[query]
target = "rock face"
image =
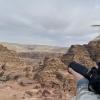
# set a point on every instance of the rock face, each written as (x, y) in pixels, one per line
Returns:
(10, 64)
(8, 57)
(52, 75)
(48, 71)
(93, 48)
(80, 54)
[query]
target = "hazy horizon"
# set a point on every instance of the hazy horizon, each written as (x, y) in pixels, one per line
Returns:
(49, 22)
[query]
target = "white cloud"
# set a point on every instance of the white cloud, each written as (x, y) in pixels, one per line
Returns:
(54, 22)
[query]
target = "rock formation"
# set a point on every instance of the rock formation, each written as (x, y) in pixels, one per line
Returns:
(53, 74)
(80, 54)
(8, 57)
(93, 48)
(10, 64)
(45, 80)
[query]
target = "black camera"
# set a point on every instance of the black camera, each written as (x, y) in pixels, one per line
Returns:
(93, 75)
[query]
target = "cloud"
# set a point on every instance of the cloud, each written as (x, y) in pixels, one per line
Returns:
(53, 22)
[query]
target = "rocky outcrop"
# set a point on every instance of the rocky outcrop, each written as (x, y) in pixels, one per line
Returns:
(53, 74)
(93, 48)
(80, 54)
(8, 57)
(10, 64)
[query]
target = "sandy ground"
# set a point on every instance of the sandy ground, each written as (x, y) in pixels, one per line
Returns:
(13, 91)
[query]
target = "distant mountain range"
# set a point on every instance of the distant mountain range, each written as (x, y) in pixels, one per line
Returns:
(34, 48)
(37, 48)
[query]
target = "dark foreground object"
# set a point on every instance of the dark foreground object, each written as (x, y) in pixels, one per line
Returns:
(93, 75)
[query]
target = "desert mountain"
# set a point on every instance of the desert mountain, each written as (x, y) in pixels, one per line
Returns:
(34, 48)
(35, 53)
(46, 80)
(29, 80)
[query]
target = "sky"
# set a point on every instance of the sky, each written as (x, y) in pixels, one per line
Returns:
(49, 22)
